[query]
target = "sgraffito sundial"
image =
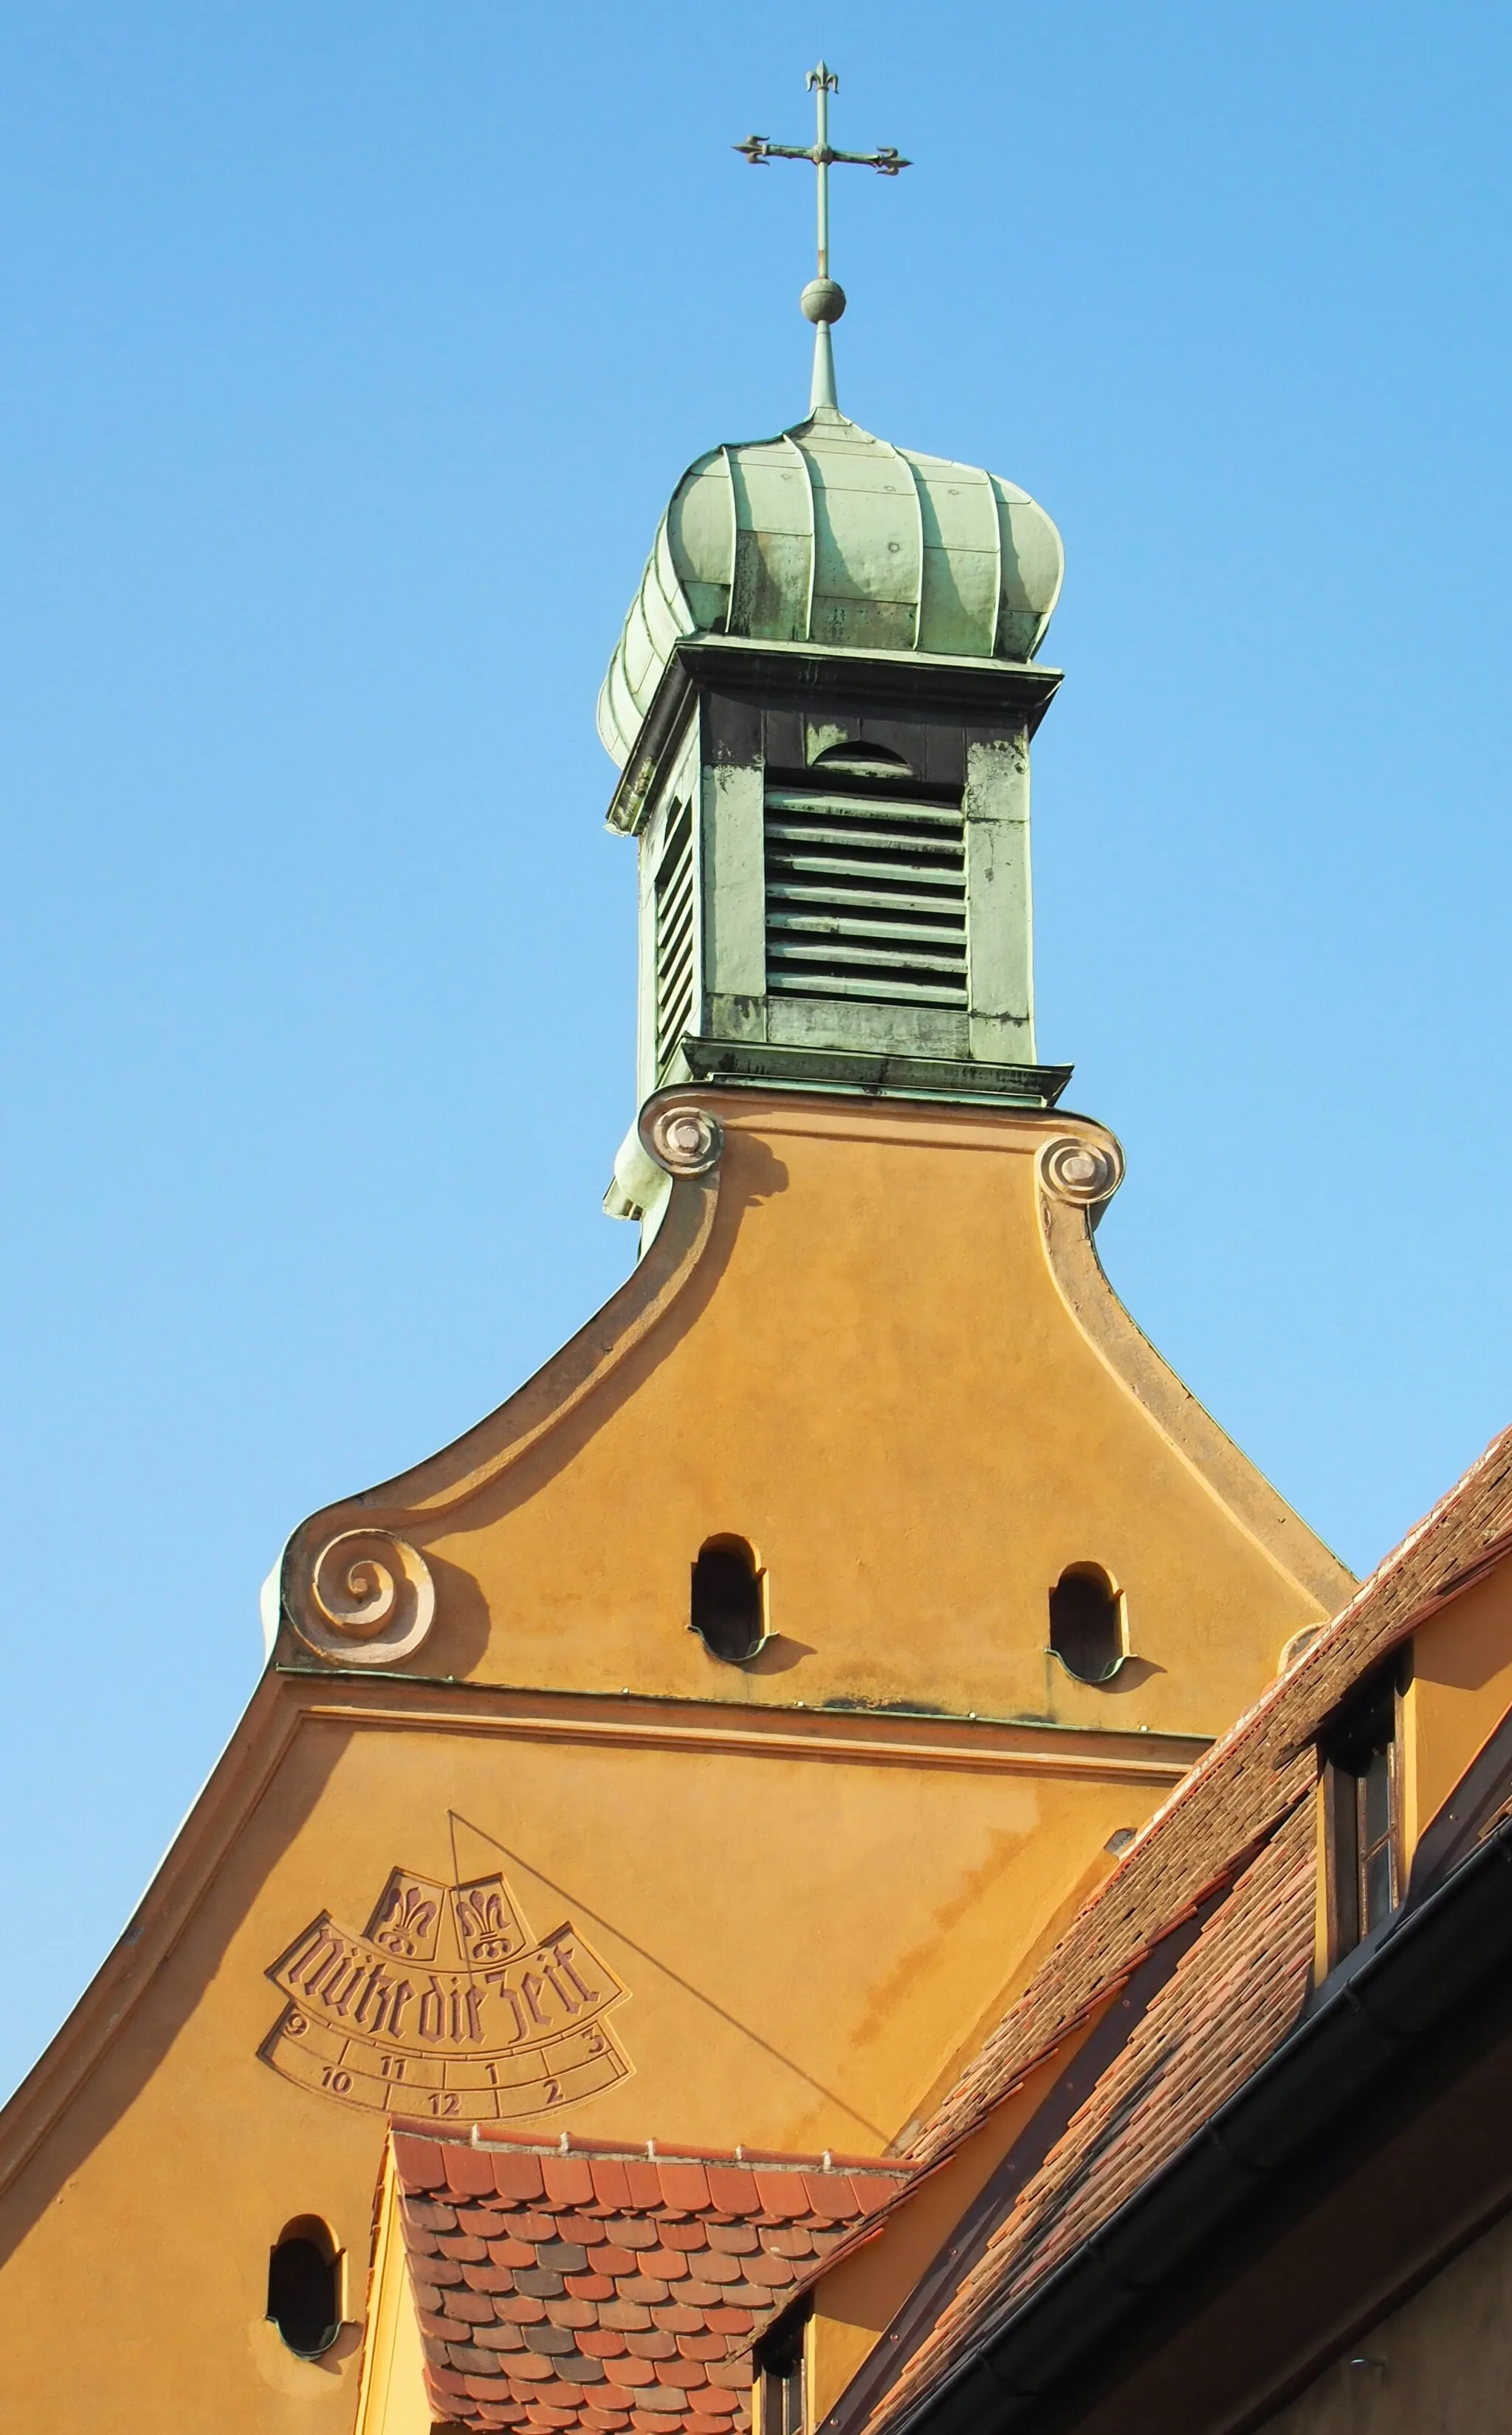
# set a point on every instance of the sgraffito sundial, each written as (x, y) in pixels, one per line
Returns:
(445, 2006)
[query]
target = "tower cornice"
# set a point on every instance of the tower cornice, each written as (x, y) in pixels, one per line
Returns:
(810, 672)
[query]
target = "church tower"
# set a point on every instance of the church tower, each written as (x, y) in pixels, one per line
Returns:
(822, 704)
(704, 1746)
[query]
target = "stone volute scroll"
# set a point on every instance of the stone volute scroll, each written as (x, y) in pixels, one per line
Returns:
(683, 1139)
(1084, 1173)
(367, 1600)
(354, 1587)
(671, 1140)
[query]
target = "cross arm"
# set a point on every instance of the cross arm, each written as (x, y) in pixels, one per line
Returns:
(888, 161)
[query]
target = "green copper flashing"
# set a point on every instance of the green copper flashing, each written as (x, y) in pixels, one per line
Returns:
(830, 537)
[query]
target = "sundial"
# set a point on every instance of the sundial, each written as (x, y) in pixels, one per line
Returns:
(445, 2006)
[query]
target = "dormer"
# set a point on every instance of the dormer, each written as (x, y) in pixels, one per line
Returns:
(1363, 1828)
(1415, 1763)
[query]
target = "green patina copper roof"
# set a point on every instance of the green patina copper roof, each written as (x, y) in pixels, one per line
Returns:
(827, 535)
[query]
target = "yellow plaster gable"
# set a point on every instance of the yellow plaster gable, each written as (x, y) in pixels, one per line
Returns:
(499, 1841)
(874, 1345)
(806, 1919)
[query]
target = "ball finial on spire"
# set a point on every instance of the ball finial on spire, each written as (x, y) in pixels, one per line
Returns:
(823, 300)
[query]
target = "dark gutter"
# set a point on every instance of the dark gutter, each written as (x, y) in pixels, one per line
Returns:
(1378, 2009)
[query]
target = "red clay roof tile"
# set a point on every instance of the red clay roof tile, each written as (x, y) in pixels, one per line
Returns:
(569, 2181)
(685, 2186)
(515, 2177)
(466, 2172)
(732, 2189)
(611, 2185)
(645, 2182)
(783, 2195)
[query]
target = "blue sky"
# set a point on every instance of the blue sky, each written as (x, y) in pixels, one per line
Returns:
(350, 356)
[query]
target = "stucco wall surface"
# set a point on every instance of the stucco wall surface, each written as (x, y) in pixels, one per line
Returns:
(802, 1937)
(1440, 2365)
(1461, 1689)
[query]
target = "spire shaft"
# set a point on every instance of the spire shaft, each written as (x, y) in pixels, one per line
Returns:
(823, 391)
(822, 80)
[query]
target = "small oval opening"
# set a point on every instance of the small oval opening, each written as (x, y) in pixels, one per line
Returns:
(1087, 1623)
(303, 2286)
(729, 1608)
(1299, 1643)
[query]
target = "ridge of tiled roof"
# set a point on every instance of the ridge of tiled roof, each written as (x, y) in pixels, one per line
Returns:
(1235, 1796)
(599, 2285)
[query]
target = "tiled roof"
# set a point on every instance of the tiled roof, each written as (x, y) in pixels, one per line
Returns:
(580, 2284)
(1243, 1821)
(1234, 1796)
(1229, 2003)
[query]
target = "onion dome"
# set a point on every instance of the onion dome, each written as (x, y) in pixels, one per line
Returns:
(831, 536)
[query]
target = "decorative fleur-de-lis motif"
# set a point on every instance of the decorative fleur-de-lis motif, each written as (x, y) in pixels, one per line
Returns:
(483, 1916)
(405, 1924)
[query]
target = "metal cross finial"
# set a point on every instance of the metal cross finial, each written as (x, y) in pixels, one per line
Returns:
(823, 299)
